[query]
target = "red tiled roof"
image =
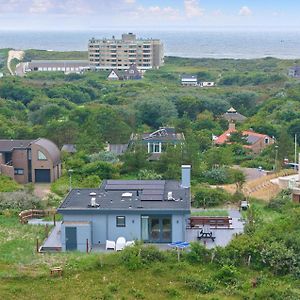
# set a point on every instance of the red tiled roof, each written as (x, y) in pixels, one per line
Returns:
(223, 138)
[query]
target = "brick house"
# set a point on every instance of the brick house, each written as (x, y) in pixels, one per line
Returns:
(30, 160)
(256, 142)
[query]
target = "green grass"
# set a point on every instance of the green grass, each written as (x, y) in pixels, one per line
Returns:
(211, 213)
(25, 274)
(32, 54)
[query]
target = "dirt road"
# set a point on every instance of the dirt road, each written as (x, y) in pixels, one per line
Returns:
(18, 54)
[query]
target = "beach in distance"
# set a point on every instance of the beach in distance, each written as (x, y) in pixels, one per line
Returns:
(198, 44)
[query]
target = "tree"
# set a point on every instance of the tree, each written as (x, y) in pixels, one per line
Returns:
(219, 156)
(285, 145)
(155, 112)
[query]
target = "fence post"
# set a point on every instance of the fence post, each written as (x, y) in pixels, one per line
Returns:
(37, 245)
(87, 245)
(54, 221)
(46, 230)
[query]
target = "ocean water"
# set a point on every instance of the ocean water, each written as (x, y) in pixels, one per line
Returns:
(210, 44)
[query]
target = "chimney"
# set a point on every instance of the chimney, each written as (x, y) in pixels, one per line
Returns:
(231, 126)
(186, 176)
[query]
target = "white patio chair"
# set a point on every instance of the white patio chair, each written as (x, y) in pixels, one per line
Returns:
(110, 245)
(129, 243)
(120, 243)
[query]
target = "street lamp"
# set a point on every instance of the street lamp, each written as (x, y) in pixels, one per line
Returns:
(70, 171)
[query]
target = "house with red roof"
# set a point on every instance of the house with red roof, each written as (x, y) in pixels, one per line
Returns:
(256, 142)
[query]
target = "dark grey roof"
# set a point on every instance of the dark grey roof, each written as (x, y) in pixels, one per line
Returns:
(51, 148)
(133, 72)
(163, 134)
(234, 116)
(70, 148)
(118, 149)
(9, 145)
(144, 195)
(189, 77)
(252, 139)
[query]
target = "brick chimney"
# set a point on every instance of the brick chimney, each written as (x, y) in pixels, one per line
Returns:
(231, 126)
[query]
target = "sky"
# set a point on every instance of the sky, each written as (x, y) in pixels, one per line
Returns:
(148, 14)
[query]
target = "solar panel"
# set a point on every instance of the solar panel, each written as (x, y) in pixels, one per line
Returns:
(152, 198)
(118, 187)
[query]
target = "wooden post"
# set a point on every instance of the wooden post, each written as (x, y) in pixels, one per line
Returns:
(87, 245)
(178, 254)
(37, 245)
(54, 221)
(46, 230)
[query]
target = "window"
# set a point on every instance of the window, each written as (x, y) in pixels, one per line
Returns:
(156, 148)
(41, 156)
(19, 171)
(267, 140)
(120, 221)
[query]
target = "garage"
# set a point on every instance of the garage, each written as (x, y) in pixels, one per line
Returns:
(42, 175)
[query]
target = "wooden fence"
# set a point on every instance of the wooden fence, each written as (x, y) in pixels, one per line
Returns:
(35, 213)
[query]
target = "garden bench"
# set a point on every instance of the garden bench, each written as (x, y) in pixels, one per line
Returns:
(213, 222)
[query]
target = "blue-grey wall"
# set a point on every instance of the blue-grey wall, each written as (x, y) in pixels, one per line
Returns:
(83, 234)
(103, 227)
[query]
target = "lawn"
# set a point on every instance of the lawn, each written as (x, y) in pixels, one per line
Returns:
(211, 213)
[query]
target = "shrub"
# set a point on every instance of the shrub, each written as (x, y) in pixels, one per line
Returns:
(282, 199)
(198, 253)
(19, 200)
(136, 256)
(227, 275)
(8, 185)
(280, 259)
(104, 156)
(148, 175)
(198, 284)
(206, 196)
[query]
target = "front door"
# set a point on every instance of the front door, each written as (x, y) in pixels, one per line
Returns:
(71, 238)
(159, 229)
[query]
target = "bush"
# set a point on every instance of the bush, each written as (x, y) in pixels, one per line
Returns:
(200, 285)
(138, 255)
(8, 185)
(280, 259)
(198, 253)
(227, 275)
(148, 175)
(19, 200)
(281, 200)
(104, 156)
(206, 196)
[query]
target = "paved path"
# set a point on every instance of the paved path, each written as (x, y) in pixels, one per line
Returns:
(41, 190)
(251, 173)
(54, 239)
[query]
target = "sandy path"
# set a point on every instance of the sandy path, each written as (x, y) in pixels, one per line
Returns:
(19, 54)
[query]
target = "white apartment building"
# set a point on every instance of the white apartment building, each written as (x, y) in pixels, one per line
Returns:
(119, 54)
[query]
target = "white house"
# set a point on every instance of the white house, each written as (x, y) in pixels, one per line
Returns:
(189, 80)
(206, 84)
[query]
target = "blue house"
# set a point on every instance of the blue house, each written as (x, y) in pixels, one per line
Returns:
(154, 211)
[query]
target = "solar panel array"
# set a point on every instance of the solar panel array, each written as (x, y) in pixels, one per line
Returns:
(151, 190)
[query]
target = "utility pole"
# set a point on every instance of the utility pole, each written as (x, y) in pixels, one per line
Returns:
(276, 157)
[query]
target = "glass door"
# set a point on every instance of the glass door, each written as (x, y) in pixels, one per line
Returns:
(156, 229)
(166, 234)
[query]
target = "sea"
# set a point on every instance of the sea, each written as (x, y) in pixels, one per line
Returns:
(182, 43)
